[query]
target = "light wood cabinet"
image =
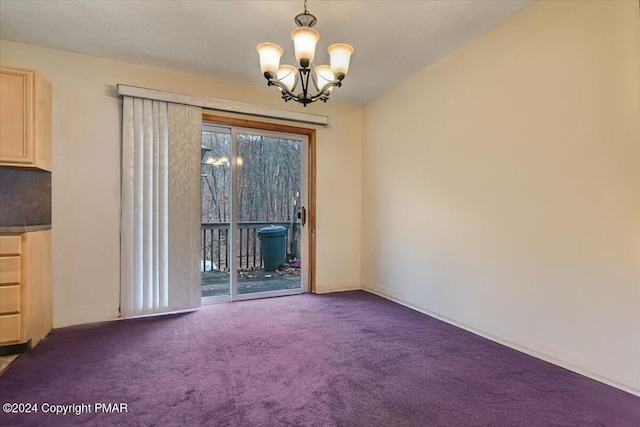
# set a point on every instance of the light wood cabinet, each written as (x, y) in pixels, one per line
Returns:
(10, 299)
(25, 287)
(25, 119)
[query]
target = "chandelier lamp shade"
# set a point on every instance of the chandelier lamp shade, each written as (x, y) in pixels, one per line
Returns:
(323, 78)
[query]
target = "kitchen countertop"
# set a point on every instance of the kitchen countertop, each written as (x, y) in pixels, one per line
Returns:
(19, 229)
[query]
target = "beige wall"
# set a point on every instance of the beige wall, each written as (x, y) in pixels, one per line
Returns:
(86, 174)
(501, 187)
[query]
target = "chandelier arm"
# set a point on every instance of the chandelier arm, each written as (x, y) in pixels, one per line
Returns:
(274, 82)
(323, 92)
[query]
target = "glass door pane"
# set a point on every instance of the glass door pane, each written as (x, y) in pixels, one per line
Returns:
(269, 236)
(216, 211)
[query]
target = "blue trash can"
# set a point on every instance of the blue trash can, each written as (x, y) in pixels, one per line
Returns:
(273, 245)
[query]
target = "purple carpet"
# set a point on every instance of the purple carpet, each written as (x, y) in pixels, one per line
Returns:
(347, 359)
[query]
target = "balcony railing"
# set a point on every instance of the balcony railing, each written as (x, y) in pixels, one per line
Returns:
(215, 244)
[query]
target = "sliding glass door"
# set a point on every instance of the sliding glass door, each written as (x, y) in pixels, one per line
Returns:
(216, 211)
(254, 206)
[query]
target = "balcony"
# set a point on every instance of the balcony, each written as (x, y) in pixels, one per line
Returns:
(252, 278)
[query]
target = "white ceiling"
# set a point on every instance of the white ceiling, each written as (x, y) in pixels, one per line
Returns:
(393, 40)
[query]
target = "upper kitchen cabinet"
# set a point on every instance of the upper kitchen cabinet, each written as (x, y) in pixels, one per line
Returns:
(25, 119)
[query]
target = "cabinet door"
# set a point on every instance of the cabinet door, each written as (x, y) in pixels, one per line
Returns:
(37, 311)
(10, 270)
(16, 116)
(10, 299)
(10, 329)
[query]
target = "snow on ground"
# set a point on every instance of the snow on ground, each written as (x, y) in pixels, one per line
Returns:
(208, 265)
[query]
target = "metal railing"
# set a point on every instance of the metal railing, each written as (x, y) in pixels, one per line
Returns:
(215, 244)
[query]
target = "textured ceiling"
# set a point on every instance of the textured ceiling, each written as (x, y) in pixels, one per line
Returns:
(393, 39)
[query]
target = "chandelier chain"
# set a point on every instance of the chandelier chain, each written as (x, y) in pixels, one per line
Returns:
(305, 6)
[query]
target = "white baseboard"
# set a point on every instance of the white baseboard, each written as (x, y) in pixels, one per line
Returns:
(388, 294)
(327, 289)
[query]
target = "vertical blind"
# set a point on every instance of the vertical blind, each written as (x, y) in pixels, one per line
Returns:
(160, 234)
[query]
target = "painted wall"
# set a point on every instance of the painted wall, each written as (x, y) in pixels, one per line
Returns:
(501, 188)
(86, 174)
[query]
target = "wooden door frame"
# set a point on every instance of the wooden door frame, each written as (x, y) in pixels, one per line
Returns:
(311, 134)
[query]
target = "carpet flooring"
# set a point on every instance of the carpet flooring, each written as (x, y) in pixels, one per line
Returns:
(346, 359)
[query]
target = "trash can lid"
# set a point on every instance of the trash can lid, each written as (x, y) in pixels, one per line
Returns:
(272, 229)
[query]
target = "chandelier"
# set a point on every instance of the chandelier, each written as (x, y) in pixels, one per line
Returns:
(323, 77)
